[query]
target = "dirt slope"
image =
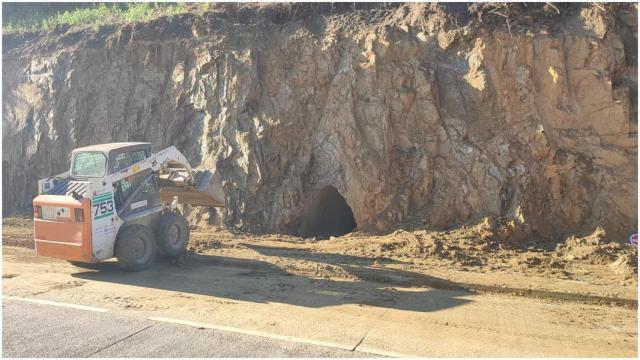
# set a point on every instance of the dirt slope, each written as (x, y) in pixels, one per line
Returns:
(414, 111)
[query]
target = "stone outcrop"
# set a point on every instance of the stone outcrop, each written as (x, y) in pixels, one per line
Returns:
(402, 112)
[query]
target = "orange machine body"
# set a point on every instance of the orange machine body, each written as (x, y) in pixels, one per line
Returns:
(59, 232)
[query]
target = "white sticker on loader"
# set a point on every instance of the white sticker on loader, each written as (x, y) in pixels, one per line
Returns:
(103, 225)
(138, 204)
(63, 212)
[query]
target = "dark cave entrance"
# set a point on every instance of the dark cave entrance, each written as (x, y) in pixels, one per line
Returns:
(326, 214)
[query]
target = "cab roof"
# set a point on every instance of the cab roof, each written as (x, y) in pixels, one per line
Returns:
(106, 148)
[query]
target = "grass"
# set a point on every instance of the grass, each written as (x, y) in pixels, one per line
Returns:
(100, 14)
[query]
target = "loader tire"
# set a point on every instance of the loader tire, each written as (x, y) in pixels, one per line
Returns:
(135, 248)
(172, 234)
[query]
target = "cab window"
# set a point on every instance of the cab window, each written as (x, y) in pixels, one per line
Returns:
(140, 191)
(138, 156)
(126, 159)
(89, 164)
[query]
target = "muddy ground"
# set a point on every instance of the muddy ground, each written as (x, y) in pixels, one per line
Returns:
(588, 269)
(354, 299)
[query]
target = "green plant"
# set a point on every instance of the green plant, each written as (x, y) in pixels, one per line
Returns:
(94, 16)
(138, 12)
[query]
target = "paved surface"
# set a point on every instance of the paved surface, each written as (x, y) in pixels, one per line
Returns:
(35, 330)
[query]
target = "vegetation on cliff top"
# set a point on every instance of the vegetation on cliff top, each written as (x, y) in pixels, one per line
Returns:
(96, 14)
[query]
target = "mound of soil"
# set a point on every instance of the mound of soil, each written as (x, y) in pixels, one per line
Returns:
(626, 265)
(594, 248)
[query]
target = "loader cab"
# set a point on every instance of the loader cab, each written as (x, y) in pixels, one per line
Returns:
(97, 161)
(134, 194)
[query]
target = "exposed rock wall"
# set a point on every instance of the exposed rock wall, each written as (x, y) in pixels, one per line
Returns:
(404, 114)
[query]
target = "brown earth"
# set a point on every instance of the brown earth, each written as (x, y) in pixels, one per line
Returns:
(466, 257)
(445, 114)
(588, 270)
(369, 316)
(360, 292)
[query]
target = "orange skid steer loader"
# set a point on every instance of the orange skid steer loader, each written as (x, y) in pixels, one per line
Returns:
(120, 199)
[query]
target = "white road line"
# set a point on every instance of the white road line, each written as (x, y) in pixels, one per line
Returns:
(275, 336)
(54, 303)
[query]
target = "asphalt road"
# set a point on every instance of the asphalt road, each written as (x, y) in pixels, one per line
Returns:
(35, 330)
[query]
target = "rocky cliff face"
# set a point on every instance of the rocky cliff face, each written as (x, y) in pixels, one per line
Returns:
(406, 114)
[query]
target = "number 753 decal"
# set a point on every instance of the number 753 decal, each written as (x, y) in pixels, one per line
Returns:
(102, 206)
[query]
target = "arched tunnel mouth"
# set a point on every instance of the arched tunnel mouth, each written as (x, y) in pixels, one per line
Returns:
(326, 214)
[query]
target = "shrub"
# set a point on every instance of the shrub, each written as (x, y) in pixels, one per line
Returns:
(99, 14)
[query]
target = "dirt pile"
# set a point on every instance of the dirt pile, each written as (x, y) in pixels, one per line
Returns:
(626, 265)
(437, 113)
(596, 249)
(479, 248)
(592, 248)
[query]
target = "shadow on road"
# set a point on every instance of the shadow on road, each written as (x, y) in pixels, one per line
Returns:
(260, 281)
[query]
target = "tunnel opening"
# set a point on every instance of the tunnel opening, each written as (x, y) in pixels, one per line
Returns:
(326, 214)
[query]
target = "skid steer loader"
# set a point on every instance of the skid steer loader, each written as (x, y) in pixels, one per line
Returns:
(120, 199)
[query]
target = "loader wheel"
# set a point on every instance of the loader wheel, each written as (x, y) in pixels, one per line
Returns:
(135, 248)
(172, 234)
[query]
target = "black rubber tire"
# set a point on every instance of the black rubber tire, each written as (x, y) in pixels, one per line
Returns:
(172, 234)
(135, 247)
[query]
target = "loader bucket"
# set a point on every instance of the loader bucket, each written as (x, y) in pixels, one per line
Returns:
(206, 191)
